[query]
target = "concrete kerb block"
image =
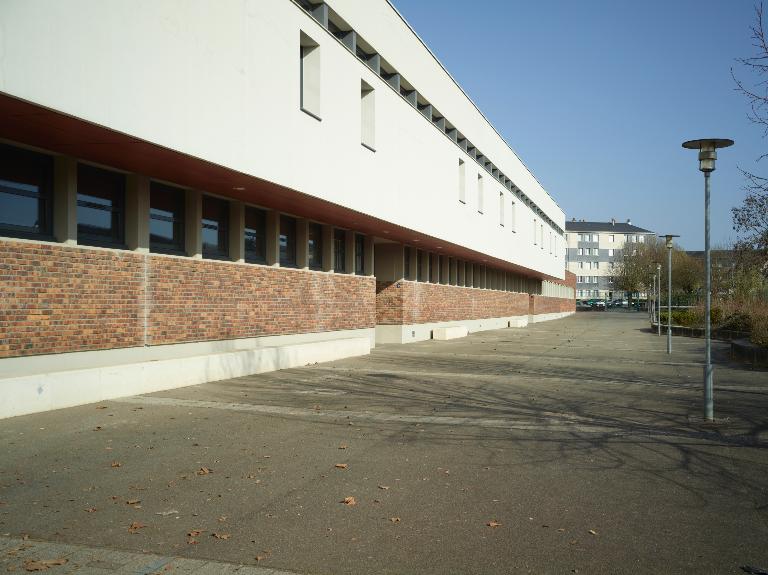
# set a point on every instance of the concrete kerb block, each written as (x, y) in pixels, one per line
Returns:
(453, 332)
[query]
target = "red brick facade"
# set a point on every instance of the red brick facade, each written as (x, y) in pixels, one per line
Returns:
(540, 304)
(408, 302)
(59, 299)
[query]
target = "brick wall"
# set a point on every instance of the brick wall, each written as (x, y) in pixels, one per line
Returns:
(540, 304)
(56, 298)
(408, 302)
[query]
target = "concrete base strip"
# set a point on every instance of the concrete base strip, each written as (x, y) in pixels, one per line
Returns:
(18, 555)
(56, 390)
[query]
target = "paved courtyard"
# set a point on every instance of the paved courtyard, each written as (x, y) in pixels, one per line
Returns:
(569, 446)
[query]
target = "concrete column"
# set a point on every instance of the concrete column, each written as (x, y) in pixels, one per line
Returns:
(137, 213)
(369, 257)
(273, 238)
(302, 243)
(444, 270)
(349, 252)
(65, 200)
(236, 231)
(194, 216)
(328, 248)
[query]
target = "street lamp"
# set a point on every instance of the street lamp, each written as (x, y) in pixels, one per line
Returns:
(658, 300)
(707, 155)
(669, 241)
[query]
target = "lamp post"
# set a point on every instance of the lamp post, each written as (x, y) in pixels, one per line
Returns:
(658, 300)
(669, 243)
(707, 155)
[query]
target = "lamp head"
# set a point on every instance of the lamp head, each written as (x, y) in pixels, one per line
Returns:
(669, 240)
(707, 148)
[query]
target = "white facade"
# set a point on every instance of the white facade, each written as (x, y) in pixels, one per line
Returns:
(221, 81)
(594, 250)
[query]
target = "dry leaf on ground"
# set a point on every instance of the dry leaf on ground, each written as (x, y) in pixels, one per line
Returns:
(343, 446)
(90, 510)
(42, 565)
(133, 502)
(349, 501)
(116, 464)
(494, 523)
(221, 535)
(195, 532)
(204, 471)
(341, 465)
(384, 487)
(135, 526)
(592, 532)
(394, 519)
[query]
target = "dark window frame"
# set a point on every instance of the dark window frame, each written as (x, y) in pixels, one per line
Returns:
(290, 258)
(317, 248)
(222, 228)
(178, 244)
(252, 256)
(359, 254)
(339, 249)
(117, 209)
(15, 161)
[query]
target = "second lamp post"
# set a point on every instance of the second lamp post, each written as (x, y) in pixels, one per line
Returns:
(669, 240)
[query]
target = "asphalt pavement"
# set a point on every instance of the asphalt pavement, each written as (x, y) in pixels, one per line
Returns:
(569, 446)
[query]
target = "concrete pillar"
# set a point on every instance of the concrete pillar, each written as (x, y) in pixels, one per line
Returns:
(444, 270)
(236, 231)
(273, 238)
(328, 264)
(65, 200)
(137, 213)
(369, 258)
(349, 252)
(194, 216)
(302, 243)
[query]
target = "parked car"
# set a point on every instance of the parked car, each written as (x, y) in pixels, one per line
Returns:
(596, 304)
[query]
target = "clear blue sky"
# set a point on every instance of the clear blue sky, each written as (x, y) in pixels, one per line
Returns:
(597, 96)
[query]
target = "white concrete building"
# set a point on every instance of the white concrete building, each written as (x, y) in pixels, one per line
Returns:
(257, 171)
(594, 249)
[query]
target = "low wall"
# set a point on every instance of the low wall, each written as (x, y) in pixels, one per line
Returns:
(408, 302)
(56, 298)
(541, 305)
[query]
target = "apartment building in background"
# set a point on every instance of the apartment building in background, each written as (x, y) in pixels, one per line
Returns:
(593, 252)
(197, 191)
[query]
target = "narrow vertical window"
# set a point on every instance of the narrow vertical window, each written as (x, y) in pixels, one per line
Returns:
(315, 246)
(215, 228)
(534, 231)
(501, 208)
(100, 207)
(419, 265)
(462, 183)
(255, 235)
(480, 193)
(26, 191)
(287, 241)
(550, 242)
(367, 116)
(541, 235)
(359, 254)
(339, 251)
(309, 58)
(166, 218)
(512, 223)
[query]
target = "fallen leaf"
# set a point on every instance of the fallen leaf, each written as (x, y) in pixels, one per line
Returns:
(494, 523)
(394, 519)
(385, 487)
(195, 532)
(101, 407)
(341, 465)
(133, 502)
(221, 535)
(167, 513)
(222, 519)
(90, 510)
(260, 557)
(349, 501)
(204, 471)
(592, 532)
(116, 464)
(135, 526)
(42, 565)
(191, 541)
(561, 530)
(97, 428)
(343, 446)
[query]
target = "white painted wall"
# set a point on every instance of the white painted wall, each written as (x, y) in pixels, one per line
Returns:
(220, 80)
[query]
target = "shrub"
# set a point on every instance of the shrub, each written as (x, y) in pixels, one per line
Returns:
(759, 334)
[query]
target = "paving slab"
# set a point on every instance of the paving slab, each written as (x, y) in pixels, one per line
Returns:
(568, 445)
